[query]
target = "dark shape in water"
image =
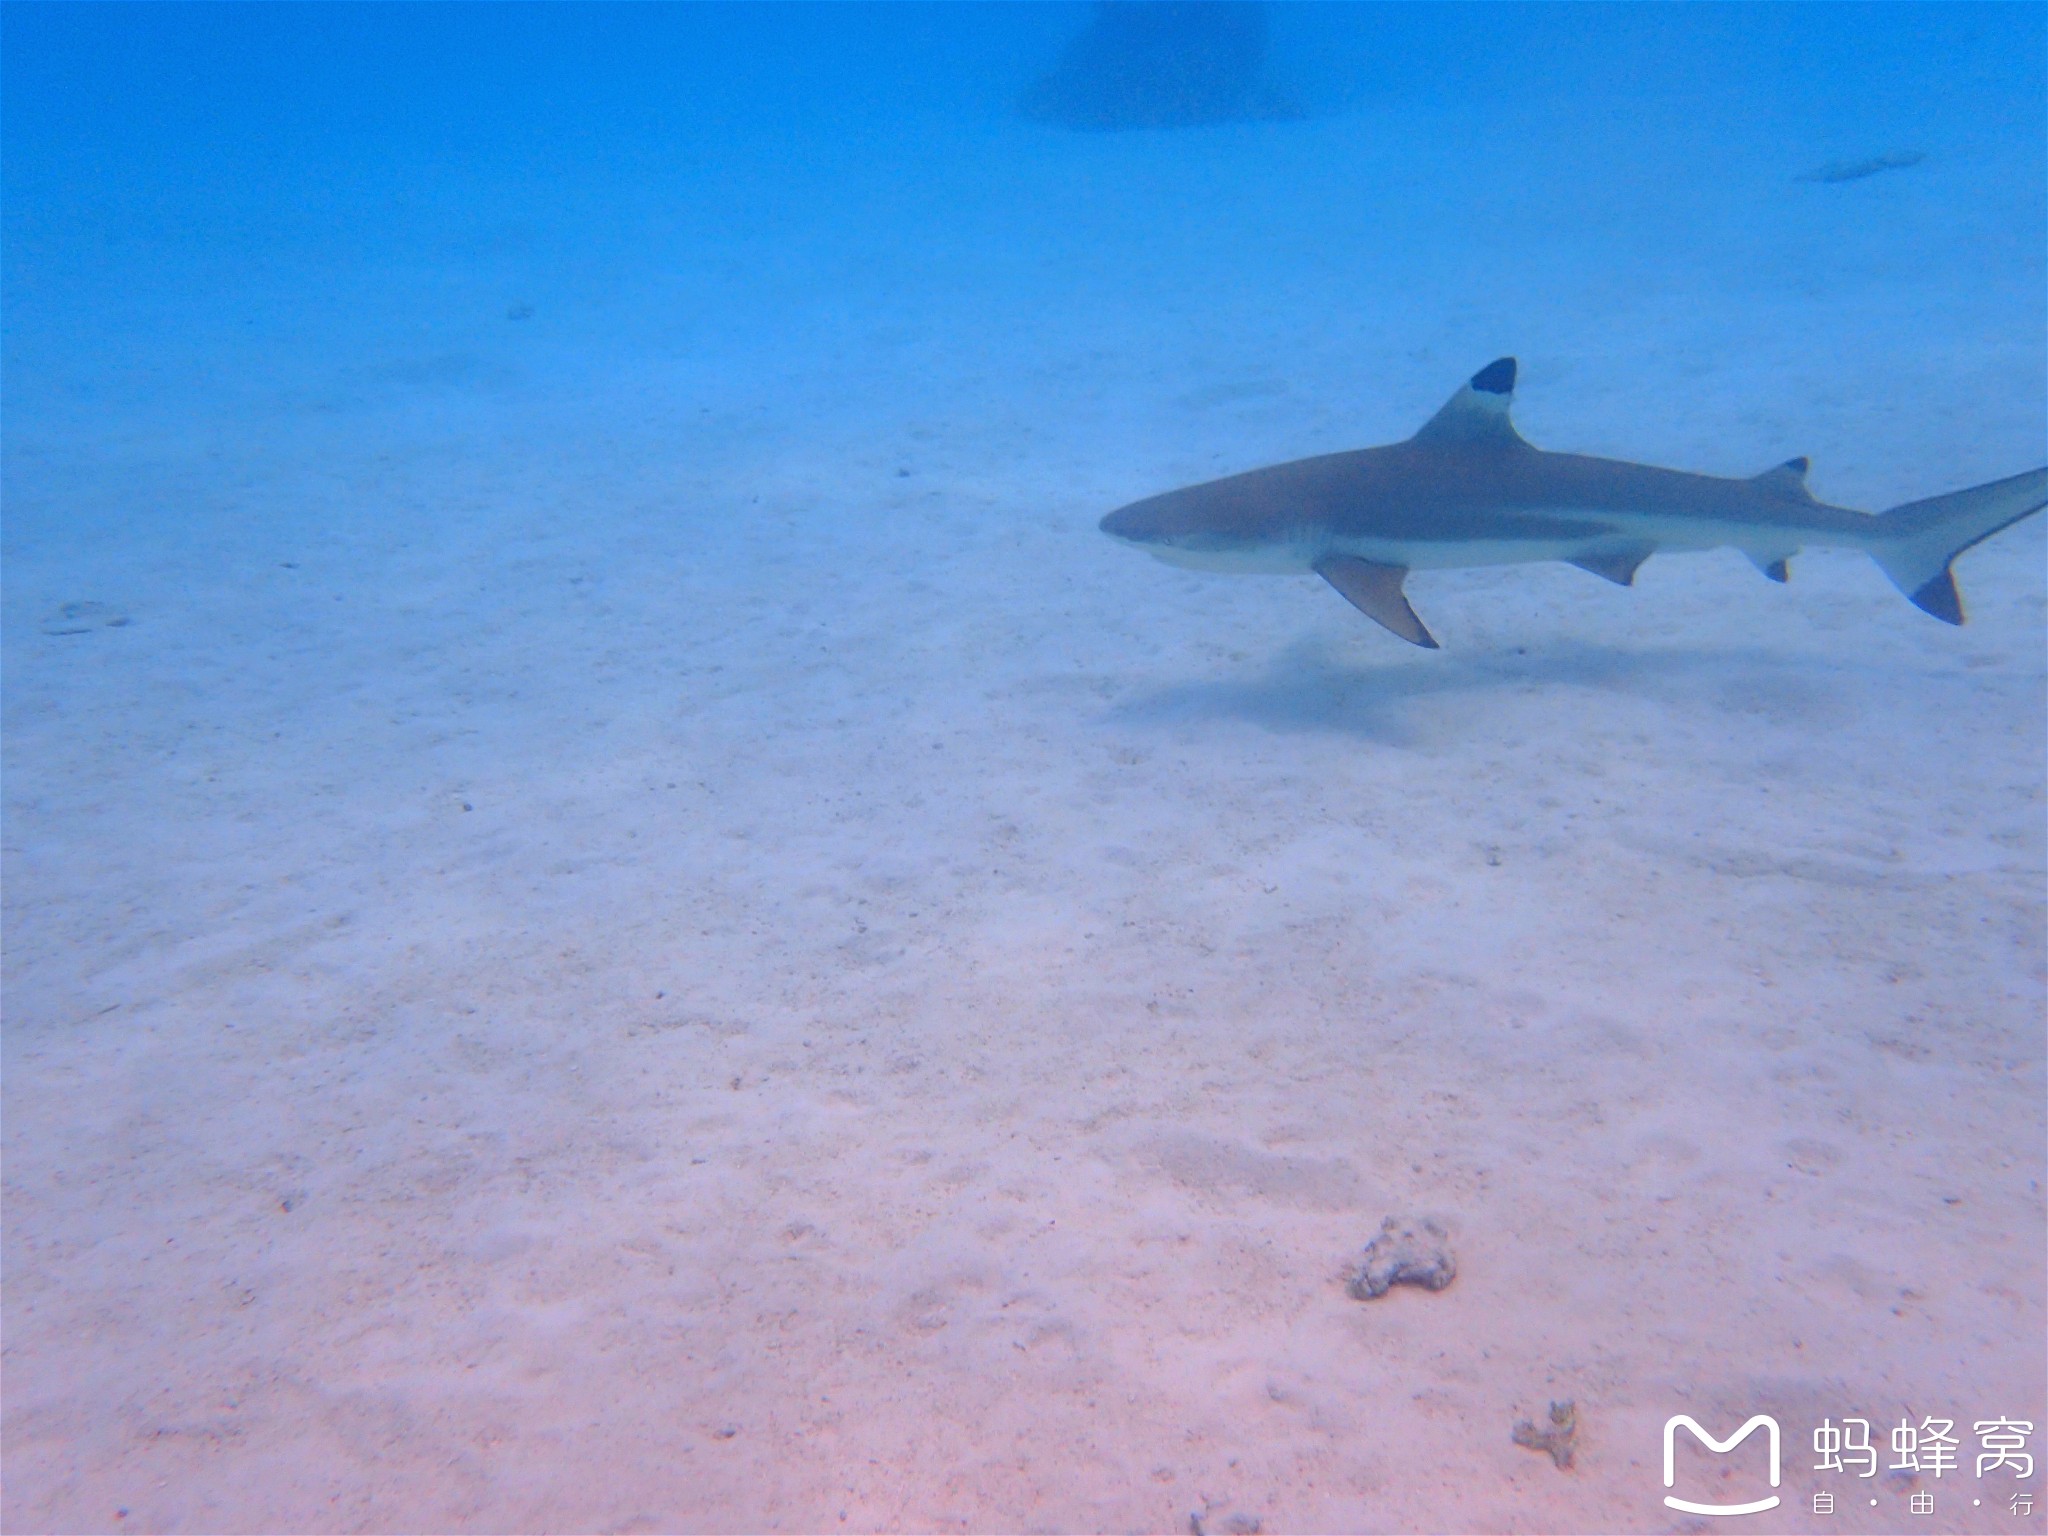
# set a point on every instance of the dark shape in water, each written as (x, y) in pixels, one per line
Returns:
(1159, 64)
(82, 618)
(1855, 170)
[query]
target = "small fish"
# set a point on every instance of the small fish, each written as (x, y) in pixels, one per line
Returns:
(1468, 490)
(1856, 170)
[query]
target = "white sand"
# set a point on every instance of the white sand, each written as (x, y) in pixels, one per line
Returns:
(598, 956)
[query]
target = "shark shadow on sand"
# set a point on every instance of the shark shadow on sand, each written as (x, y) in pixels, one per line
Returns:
(1310, 688)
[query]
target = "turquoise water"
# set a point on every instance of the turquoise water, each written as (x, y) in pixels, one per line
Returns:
(620, 916)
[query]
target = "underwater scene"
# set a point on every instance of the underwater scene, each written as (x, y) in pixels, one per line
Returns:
(1193, 768)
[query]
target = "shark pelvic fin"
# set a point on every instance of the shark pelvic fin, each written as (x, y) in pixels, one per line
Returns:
(1771, 563)
(1787, 479)
(1478, 413)
(1375, 591)
(1617, 565)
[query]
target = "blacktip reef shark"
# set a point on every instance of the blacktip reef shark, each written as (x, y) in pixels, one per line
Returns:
(1467, 490)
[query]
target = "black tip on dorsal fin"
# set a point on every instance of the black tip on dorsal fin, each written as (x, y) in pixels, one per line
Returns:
(1798, 466)
(1477, 415)
(1496, 378)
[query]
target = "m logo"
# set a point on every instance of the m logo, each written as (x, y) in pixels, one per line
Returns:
(1719, 1447)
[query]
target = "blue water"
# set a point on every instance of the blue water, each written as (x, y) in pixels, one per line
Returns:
(618, 914)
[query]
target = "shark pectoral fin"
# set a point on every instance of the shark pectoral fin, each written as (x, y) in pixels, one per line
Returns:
(1617, 565)
(1375, 591)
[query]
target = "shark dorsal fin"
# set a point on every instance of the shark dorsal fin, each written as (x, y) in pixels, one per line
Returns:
(1786, 479)
(1478, 413)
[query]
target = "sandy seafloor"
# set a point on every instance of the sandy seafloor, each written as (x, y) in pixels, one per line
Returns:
(646, 929)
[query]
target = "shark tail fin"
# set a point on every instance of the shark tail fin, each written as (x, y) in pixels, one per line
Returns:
(1915, 543)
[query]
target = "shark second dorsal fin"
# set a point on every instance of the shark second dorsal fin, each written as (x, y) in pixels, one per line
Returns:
(1786, 479)
(1478, 413)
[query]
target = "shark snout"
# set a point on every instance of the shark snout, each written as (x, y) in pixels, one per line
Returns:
(1126, 523)
(1196, 531)
(1152, 522)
